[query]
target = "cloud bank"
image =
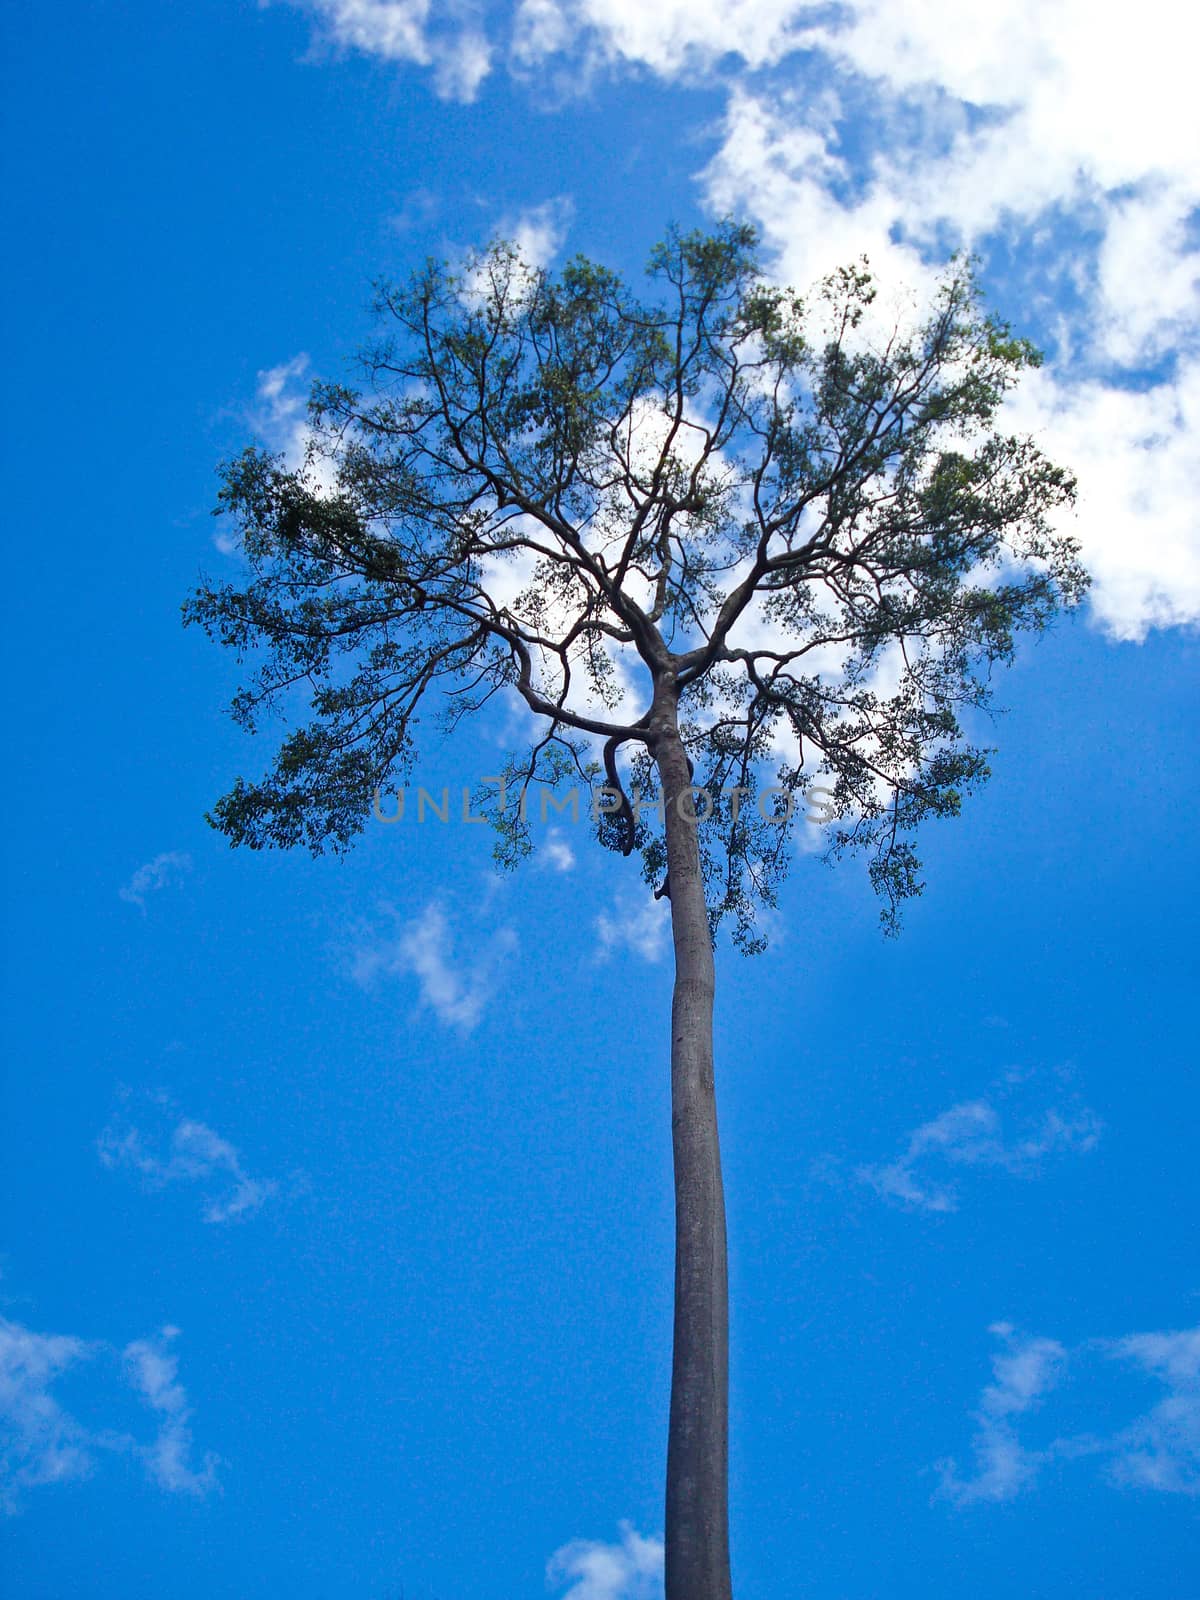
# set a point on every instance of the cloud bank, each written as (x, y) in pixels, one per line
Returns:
(1055, 142)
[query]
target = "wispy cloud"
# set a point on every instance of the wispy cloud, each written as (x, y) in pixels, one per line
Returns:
(456, 984)
(972, 1134)
(279, 416)
(1024, 1371)
(447, 38)
(641, 926)
(631, 1569)
(42, 1443)
(556, 852)
(1158, 1450)
(280, 411)
(153, 1370)
(419, 208)
(1161, 1449)
(188, 1152)
(165, 869)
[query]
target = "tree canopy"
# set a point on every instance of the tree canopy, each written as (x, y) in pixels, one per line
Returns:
(803, 516)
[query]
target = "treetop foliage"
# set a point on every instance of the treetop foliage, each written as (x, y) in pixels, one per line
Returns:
(798, 526)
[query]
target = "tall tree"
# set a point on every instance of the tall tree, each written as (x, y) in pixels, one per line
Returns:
(722, 539)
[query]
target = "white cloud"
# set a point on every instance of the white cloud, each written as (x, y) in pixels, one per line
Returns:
(154, 1372)
(166, 868)
(539, 232)
(1029, 126)
(456, 987)
(536, 233)
(40, 1442)
(421, 206)
(461, 65)
(1084, 166)
(446, 38)
(629, 1570)
(903, 131)
(192, 1153)
(1137, 455)
(1159, 1450)
(674, 38)
(972, 1135)
(279, 416)
(556, 852)
(281, 407)
(641, 926)
(1024, 1371)
(1085, 96)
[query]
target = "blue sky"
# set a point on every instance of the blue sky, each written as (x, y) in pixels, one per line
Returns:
(337, 1245)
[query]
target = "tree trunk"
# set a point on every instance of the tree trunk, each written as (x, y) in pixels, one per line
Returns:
(697, 1514)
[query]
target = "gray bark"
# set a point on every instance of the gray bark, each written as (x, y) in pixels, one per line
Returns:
(697, 1517)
